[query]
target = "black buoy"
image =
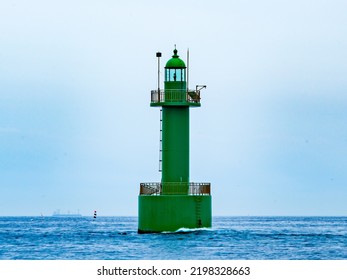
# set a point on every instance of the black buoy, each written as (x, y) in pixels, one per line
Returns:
(94, 214)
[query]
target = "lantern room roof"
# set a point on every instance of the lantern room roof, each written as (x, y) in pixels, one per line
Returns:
(175, 61)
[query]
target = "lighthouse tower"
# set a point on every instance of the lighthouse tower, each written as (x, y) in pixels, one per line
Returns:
(175, 202)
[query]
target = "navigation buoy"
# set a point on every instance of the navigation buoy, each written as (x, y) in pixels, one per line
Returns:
(95, 214)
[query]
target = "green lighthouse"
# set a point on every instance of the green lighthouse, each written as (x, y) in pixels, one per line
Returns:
(175, 202)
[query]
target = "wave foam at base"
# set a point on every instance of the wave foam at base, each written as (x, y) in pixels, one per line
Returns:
(187, 230)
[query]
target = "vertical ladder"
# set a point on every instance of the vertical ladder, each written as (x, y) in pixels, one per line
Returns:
(161, 141)
(198, 200)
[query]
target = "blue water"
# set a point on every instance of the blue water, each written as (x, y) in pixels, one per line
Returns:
(254, 238)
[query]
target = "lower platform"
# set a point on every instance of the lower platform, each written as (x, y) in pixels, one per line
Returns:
(158, 213)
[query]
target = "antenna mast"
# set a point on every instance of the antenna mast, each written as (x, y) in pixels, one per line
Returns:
(158, 56)
(187, 69)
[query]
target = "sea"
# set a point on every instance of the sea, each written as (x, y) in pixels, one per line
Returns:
(230, 238)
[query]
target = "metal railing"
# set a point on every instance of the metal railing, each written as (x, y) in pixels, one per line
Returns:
(175, 96)
(150, 188)
(175, 188)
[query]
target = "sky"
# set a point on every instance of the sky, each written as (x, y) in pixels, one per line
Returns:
(77, 132)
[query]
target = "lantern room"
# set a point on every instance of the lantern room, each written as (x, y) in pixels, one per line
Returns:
(175, 69)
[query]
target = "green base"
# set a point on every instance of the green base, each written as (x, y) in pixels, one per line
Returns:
(158, 213)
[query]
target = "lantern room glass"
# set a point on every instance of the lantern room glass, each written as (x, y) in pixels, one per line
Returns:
(175, 75)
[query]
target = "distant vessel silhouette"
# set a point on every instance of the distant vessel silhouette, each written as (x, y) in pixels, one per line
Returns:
(68, 214)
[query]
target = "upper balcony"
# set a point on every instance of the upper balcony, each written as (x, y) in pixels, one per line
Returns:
(175, 97)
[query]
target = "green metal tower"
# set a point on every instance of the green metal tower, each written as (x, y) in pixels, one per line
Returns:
(175, 202)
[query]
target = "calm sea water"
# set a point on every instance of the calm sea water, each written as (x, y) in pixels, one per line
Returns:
(254, 238)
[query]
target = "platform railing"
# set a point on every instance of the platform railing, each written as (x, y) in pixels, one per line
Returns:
(175, 96)
(175, 188)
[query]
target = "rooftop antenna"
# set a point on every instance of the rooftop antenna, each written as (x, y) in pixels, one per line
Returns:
(187, 69)
(158, 56)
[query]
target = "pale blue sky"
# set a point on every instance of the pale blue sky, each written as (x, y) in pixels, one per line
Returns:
(77, 131)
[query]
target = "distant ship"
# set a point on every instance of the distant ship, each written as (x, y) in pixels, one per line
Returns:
(68, 214)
